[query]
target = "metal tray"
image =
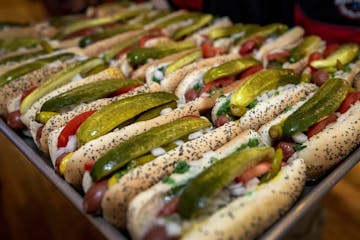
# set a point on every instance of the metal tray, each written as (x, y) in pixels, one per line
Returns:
(311, 195)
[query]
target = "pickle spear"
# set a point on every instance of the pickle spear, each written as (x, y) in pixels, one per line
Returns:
(324, 102)
(94, 22)
(61, 78)
(90, 39)
(345, 54)
(16, 43)
(177, 64)
(27, 68)
(86, 93)
(118, 112)
(223, 32)
(141, 144)
(229, 69)
(155, 112)
(309, 45)
(212, 180)
(148, 18)
(258, 83)
(139, 56)
(264, 31)
(200, 22)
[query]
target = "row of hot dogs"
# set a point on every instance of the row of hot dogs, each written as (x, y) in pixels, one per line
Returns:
(180, 124)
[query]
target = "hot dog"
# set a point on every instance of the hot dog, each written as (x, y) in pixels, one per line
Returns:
(226, 209)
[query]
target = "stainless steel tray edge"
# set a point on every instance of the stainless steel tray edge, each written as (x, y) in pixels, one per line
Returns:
(312, 193)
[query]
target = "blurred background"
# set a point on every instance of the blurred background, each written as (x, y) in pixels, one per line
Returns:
(31, 207)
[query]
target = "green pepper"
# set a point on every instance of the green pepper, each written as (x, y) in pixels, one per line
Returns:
(229, 31)
(257, 84)
(139, 56)
(94, 22)
(143, 143)
(230, 68)
(275, 166)
(109, 32)
(345, 54)
(61, 78)
(29, 67)
(200, 22)
(155, 112)
(307, 46)
(86, 93)
(189, 58)
(118, 112)
(324, 102)
(16, 43)
(212, 180)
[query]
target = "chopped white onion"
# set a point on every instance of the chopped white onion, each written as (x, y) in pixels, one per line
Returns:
(195, 135)
(209, 154)
(76, 78)
(173, 229)
(179, 142)
(159, 75)
(70, 147)
(165, 111)
(237, 189)
(299, 137)
(158, 151)
(252, 183)
(87, 181)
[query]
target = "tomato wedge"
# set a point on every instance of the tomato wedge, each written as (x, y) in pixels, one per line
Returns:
(26, 93)
(122, 52)
(148, 37)
(350, 99)
(71, 128)
(123, 90)
(251, 71)
(276, 56)
(221, 82)
(89, 165)
(82, 33)
(251, 44)
(208, 50)
(169, 208)
(321, 125)
(256, 171)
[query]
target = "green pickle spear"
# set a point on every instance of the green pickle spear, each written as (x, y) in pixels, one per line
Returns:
(94, 22)
(229, 31)
(345, 54)
(29, 67)
(86, 93)
(16, 43)
(118, 112)
(143, 143)
(139, 56)
(307, 46)
(212, 180)
(154, 112)
(257, 84)
(61, 78)
(148, 18)
(264, 31)
(202, 21)
(229, 69)
(189, 58)
(324, 102)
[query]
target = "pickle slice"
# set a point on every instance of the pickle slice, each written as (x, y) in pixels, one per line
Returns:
(141, 144)
(200, 22)
(112, 115)
(27, 68)
(229, 69)
(309, 45)
(258, 83)
(86, 93)
(345, 54)
(212, 180)
(191, 57)
(61, 78)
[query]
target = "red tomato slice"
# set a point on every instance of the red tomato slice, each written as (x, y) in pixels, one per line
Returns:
(330, 48)
(251, 44)
(275, 56)
(26, 93)
(89, 165)
(314, 56)
(191, 94)
(123, 90)
(208, 50)
(321, 125)
(169, 208)
(251, 71)
(350, 99)
(221, 82)
(148, 37)
(123, 51)
(71, 127)
(221, 120)
(256, 171)
(82, 33)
